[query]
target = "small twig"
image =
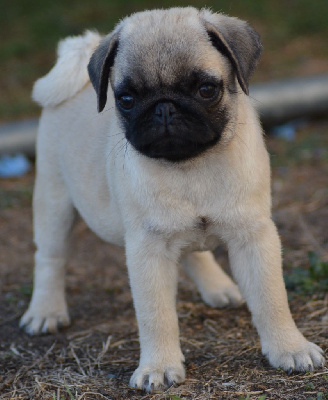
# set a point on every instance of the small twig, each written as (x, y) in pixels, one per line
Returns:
(94, 393)
(320, 373)
(103, 351)
(295, 388)
(318, 312)
(235, 356)
(192, 342)
(78, 361)
(242, 393)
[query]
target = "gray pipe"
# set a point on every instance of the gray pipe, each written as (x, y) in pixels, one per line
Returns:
(276, 102)
(18, 137)
(281, 101)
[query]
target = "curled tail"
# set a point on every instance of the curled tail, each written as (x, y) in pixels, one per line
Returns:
(70, 74)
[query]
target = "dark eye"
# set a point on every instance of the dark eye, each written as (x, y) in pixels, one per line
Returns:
(126, 102)
(207, 91)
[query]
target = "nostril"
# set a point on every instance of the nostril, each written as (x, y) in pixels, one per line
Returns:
(170, 109)
(164, 112)
(159, 110)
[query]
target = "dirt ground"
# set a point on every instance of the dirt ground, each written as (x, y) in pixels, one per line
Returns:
(95, 357)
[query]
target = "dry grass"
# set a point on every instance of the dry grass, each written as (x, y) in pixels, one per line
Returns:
(221, 347)
(95, 357)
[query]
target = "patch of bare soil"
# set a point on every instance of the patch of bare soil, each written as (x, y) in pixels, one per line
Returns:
(95, 357)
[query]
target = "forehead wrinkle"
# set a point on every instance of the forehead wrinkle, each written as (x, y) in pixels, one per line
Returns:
(162, 60)
(161, 47)
(168, 68)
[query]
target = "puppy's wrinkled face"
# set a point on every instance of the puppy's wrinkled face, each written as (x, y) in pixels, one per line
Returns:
(171, 87)
(174, 122)
(174, 75)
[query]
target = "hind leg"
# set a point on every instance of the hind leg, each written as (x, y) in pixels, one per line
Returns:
(214, 285)
(53, 217)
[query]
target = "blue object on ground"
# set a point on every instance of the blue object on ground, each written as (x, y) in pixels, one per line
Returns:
(13, 166)
(288, 131)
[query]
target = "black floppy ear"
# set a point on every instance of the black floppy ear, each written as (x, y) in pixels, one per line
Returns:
(236, 40)
(99, 67)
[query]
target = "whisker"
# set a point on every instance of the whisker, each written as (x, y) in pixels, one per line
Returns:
(115, 134)
(118, 151)
(246, 123)
(232, 91)
(107, 109)
(125, 152)
(242, 140)
(98, 115)
(239, 137)
(115, 147)
(253, 98)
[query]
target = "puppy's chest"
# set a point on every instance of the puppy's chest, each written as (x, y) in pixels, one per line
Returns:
(187, 211)
(197, 234)
(182, 223)
(183, 209)
(202, 235)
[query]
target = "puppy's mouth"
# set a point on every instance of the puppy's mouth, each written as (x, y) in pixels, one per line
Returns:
(168, 131)
(173, 148)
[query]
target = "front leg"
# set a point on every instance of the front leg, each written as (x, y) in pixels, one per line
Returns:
(256, 264)
(153, 280)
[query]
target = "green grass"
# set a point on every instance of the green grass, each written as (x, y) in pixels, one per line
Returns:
(17, 197)
(319, 396)
(310, 147)
(313, 280)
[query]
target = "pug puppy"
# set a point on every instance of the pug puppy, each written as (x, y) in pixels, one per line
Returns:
(173, 164)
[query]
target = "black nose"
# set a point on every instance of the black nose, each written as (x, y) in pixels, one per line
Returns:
(164, 112)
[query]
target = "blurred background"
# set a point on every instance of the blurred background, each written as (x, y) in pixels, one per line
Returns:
(294, 34)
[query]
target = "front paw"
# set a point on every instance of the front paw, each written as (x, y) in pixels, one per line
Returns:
(150, 378)
(37, 320)
(304, 356)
